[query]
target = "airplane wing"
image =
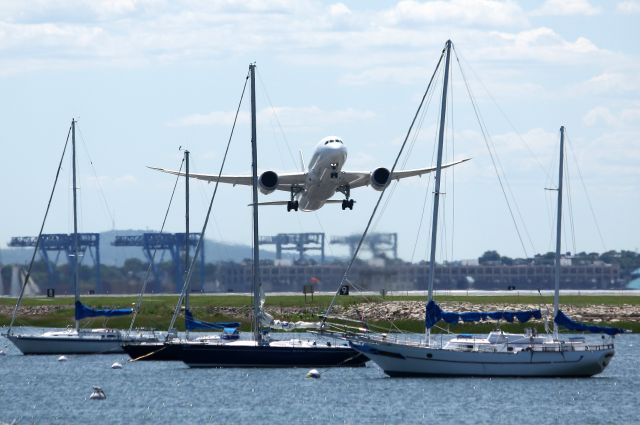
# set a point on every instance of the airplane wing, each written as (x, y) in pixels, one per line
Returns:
(285, 180)
(328, 201)
(361, 178)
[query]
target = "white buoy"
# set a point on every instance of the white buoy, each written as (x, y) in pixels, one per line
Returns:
(97, 394)
(62, 359)
(116, 365)
(313, 373)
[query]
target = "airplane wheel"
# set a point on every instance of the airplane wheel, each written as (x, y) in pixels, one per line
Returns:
(350, 202)
(289, 206)
(344, 204)
(295, 205)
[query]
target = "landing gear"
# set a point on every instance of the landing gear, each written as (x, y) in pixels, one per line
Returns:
(293, 204)
(347, 203)
(346, 191)
(334, 172)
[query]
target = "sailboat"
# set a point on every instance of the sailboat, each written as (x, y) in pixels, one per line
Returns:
(499, 353)
(75, 340)
(170, 348)
(261, 350)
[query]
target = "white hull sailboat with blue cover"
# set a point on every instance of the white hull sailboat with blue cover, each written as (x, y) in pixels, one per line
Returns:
(76, 340)
(498, 354)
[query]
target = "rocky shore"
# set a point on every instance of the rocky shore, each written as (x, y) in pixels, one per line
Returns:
(390, 310)
(414, 310)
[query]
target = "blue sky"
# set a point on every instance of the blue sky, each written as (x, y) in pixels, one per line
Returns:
(147, 76)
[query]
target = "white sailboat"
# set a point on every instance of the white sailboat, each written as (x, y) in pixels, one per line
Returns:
(75, 340)
(498, 354)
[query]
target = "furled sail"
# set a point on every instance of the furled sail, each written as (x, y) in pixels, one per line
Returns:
(82, 311)
(290, 326)
(435, 314)
(564, 321)
(192, 324)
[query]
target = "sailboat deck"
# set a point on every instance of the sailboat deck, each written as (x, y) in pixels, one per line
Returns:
(484, 344)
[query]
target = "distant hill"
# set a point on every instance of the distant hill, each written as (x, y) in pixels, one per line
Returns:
(113, 255)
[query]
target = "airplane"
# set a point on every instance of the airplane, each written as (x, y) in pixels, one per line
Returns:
(310, 190)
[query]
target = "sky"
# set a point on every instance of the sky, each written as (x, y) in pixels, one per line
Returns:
(146, 78)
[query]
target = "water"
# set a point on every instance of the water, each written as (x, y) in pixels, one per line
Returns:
(41, 390)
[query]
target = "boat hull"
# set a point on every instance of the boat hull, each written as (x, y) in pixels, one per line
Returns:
(153, 351)
(230, 355)
(29, 344)
(397, 360)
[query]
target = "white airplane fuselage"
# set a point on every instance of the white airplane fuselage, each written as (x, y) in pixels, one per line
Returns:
(323, 176)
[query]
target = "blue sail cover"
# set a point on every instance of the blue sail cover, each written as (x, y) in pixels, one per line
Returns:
(564, 321)
(435, 314)
(82, 312)
(192, 324)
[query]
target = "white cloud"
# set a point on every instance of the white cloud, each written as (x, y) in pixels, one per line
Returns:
(544, 45)
(597, 115)
(614, 82)
(566, 8)
(339, 9)
(130, 33)
(463, 12)
(628, 6)
(625, 117)
(290, 117)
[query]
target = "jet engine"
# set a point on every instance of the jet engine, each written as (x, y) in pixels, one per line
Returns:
(268, 182)
(380, 178)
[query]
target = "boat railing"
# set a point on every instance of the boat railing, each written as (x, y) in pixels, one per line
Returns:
(477, 344)
(403, 339)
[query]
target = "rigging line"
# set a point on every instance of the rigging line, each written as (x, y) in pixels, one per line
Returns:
(147, 275)
(327, 245)
(584, 188)
(100, 189)
(426, 196)
(501, 168)
(483, 130)
(35, 249)
(443, 235)
(206, 220)
(414, 138)
(203, 199)
(364, 234)
(435, 139)
(424, 208)
(504, 115)
(275, 114)
(570, 204)
(453, 171)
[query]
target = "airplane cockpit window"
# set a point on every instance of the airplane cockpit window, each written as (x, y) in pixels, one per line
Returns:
(333, 141)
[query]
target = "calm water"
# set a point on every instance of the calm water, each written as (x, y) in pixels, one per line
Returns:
(41, 390)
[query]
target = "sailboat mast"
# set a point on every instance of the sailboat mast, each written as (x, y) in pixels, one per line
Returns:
(75, 219)
(556, 292)
(436, 198)
(187, 304)
(254, 174)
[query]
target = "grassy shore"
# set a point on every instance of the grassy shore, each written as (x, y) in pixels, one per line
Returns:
(157, 310)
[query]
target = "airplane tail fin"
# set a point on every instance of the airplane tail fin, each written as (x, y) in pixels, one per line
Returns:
(301, 161)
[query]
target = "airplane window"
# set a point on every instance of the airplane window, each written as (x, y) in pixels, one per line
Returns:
(327, 142)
